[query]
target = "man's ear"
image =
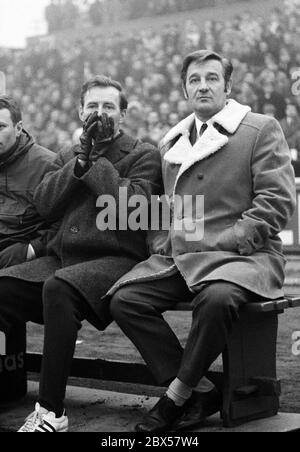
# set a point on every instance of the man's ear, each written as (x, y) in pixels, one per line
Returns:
(80, 113)
(19, 127)
(122, 116)
(184, 91)
(228, 87)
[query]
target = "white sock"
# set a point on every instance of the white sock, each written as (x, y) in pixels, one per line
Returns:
(204, 385)
(179, 392)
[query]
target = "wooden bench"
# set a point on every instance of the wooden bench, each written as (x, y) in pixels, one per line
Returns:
(248, 382)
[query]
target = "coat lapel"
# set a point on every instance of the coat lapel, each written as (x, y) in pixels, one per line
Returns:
(185, 154)
(209, 143)
(120, 148)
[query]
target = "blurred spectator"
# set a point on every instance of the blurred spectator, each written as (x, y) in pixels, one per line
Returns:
(45, 78)
(291, 127)
(96, 13)
(53, 16)
(134, 120)
(61, 14)
(70, 14)
(269, 110)
(270, 96)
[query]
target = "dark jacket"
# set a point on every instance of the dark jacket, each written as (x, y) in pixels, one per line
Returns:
(20, 174)
(89, 259)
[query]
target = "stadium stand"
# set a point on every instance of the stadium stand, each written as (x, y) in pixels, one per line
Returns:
(47, 75)
(63, 14)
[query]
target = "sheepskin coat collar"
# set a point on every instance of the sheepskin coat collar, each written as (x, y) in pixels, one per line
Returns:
(185, 154)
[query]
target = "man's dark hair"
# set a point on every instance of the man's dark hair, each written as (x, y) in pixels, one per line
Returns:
(103, 82)
(204, 55)
(10, 104)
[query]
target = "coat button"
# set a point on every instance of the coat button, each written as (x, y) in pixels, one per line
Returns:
(200, 176)
(74, 229)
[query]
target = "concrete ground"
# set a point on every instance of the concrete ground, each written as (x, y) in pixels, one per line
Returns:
(103, 411)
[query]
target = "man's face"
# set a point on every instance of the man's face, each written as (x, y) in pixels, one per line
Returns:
(103, 100)
(291, 111)
(205, 88)
(8, 131)
(268, 88)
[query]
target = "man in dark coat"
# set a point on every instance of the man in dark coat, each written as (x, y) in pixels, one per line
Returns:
(85, 257)
(220, 252)
(23, 165)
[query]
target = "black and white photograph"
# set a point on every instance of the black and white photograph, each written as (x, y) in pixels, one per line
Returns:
(149, 219)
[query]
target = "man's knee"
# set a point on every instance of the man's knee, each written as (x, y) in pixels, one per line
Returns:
(219, 299)
(51, 287)
(54, 294)
(118, 304)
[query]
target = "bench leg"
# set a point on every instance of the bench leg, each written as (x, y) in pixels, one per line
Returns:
(251, 390)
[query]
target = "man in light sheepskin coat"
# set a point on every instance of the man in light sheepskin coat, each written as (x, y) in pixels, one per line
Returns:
(217, 258)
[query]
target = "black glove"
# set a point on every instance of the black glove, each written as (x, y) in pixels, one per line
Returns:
(105, 136)
(88, 135)
(105, 132)
(13, 255)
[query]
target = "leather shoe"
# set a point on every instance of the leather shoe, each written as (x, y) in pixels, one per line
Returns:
(200, 406)
(161, 418)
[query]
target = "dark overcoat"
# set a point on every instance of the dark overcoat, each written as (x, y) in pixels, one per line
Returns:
(89, 259)
(242, 167)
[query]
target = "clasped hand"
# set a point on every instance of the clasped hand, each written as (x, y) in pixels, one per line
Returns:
(97, 131)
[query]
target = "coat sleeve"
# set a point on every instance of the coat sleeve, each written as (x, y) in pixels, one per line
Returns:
(53, 194)
(142, 178)
(274, 192)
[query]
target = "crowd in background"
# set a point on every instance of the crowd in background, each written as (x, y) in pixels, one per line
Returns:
(265, 53)
(64, 14)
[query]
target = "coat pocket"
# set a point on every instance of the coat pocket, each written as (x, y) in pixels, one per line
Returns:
(12, 215)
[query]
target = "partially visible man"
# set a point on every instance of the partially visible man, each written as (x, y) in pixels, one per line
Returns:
(291, 128)
(270, 96)
(86, 256)
(216, 257)
(23, 165)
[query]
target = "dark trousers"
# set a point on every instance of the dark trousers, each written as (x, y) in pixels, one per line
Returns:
(138, 308)
(62, 309)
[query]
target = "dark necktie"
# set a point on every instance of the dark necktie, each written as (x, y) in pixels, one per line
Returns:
(203, 128)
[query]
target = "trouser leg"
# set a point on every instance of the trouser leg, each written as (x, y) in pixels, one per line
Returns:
(138, 308)
(20, 302)
(215, 312)
(64, 310)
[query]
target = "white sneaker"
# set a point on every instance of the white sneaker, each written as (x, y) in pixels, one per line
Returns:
(44, 421)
